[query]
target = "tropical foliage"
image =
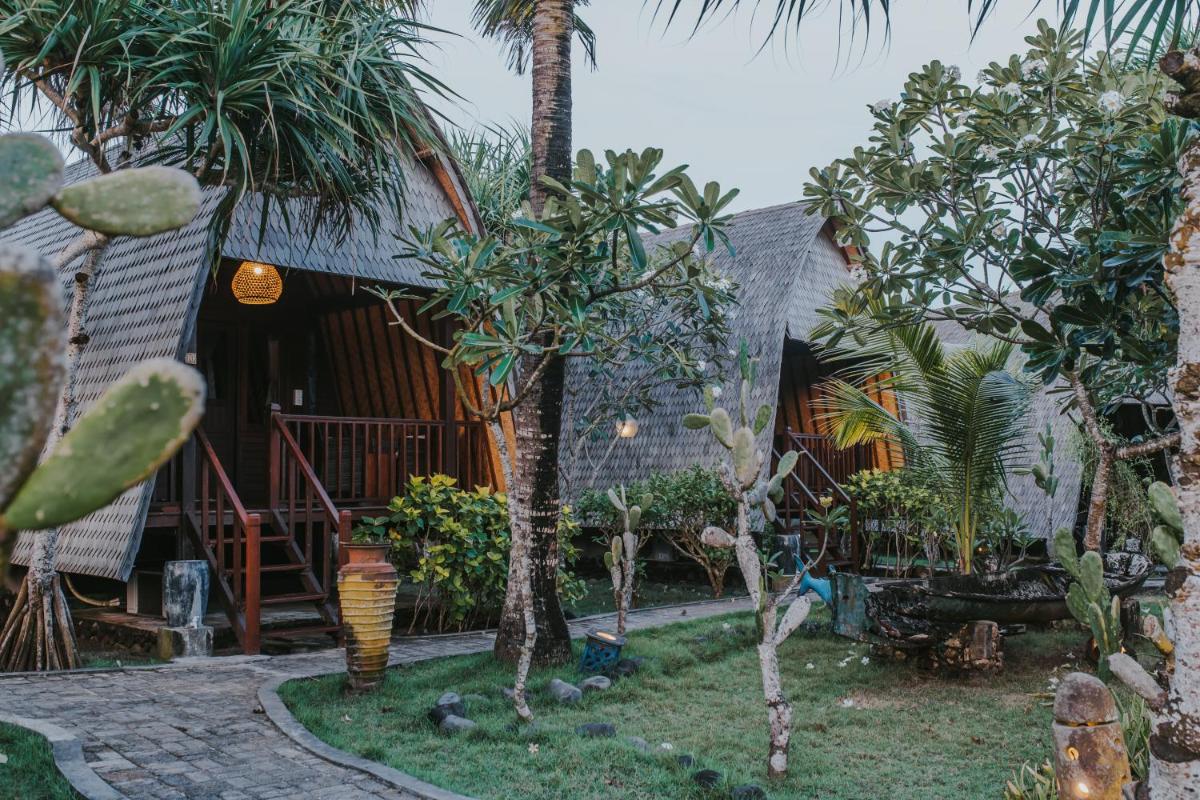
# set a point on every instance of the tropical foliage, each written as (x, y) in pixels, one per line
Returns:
(903, 516)
(496, 164)
(969, 404)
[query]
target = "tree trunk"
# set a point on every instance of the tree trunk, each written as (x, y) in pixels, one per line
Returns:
(534, 490)
(1175, 736)
(550, 129)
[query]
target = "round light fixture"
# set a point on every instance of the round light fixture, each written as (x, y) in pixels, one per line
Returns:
(627, 428)
(256, 284)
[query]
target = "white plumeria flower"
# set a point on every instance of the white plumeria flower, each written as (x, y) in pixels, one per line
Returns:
(990, 152)
(810, 665)
(999, 231)
(963, 117)
(666, 746)
(1012, 89)
(880, 106)
(848, 703)
(1111, 101)
(716, 391)
(701, 365)
(533, 749)
(1032, 67)
(953, 73)
(982, 76)
(726, 626)
(1029, 141)
(865, 660)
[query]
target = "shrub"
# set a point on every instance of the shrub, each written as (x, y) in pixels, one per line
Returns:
(902, 515)
(454, 544)
(685, 502)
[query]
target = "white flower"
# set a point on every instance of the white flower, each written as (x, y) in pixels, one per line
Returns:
(858, 273)
(1111, 101)
(701, 365)
(953, 73)
(865, 660)
(666, 746)
(1032, 66)
(963, 117)
(1029, 140)
(847, 703)
(725, 626)
(880, 106)
(999, 231)
(716, 391)
(810, 665)
(533, 749)
(1012, 89)
(989, 152)
(982, 76)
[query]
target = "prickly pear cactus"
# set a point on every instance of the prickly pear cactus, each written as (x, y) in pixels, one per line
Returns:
(1088, 599)
(31, 173)
(623, 549)
(131, 202)
(1167, 537)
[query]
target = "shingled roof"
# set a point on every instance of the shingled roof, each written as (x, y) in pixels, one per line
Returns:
(147, 292)
(785, 267)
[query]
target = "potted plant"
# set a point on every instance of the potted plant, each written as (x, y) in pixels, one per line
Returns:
(367, 584)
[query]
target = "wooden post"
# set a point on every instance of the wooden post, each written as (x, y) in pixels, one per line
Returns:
(343, 535)
(274, 445)
(253, 643)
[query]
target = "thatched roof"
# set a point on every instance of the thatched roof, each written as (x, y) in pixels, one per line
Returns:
(146, 294)
(785, 265)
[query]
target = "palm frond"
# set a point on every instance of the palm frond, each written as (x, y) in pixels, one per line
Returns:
(785, 15)
(511, 23)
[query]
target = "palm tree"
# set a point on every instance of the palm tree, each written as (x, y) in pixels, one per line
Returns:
(968, 412)
(312, 101)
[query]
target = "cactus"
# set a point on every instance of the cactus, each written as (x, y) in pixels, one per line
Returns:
(1167, 537)
(127, 434)
(742, 474)
(1088, 599)
(623, 549)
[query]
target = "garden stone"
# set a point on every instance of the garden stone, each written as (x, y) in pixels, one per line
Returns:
(439, 713)
(686, 761)
(748, 792)
(627, 667)
(455, 724)
(597, 730)
(564, 692)
(638, 743)
(596, 683)
(449, 699)
(708, 778)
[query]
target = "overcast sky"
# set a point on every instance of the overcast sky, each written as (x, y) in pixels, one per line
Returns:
(757, 122)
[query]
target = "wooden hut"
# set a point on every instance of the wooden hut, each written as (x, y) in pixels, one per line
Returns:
(318, 410)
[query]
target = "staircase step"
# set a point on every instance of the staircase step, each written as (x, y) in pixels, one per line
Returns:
(304, 630)
(299, 597)
(283, 567)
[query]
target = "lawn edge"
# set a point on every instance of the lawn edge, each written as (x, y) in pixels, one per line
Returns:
(277, 711)
(67, 751)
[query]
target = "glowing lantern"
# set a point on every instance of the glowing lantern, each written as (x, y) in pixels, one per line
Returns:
(256, 284)
(601, 652)
(627, 428)
(1090, 759)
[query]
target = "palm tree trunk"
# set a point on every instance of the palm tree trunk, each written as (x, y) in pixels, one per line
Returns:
(534, 493)
(539, 418)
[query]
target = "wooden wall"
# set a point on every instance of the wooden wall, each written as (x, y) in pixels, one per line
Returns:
(800, 377)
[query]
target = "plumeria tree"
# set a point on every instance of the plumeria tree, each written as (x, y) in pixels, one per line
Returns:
(1032, 207)
(576, 282)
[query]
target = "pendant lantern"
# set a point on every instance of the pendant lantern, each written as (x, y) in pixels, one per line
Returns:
(257, 284)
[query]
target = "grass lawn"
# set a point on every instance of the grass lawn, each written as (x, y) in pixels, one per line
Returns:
(862, 730)
(28, 771)
(599, 599)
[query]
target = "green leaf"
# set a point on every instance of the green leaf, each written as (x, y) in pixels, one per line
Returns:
(31, 172)
(130, 431)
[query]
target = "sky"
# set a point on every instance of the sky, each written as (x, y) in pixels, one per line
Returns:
(755, 121)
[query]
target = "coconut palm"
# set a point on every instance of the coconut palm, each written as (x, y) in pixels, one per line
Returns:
(967, 412)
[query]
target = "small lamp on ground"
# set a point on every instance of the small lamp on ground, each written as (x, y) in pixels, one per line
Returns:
(601, 652)
(1091, 761)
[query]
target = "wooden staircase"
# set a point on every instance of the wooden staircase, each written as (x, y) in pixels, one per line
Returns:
(284, 554)
(820, 472)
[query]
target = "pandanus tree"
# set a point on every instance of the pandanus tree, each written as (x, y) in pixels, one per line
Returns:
(965, 428)
(311, 102)
(576, 282)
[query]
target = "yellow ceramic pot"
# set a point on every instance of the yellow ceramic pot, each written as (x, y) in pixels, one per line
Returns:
(367, 595)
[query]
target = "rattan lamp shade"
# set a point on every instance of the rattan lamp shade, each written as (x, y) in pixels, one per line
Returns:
(256, 284)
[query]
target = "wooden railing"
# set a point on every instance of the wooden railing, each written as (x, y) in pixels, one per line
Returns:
(230, 539)
(302, 509)
(821, 471)
(367, 460)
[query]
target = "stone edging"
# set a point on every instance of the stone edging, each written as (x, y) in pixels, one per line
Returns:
(277, 712)
(68, 757)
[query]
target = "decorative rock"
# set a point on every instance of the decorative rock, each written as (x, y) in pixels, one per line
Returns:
(708, 778)
(627, 667)
(439, 713)
(686, 761)
(1089, 745)
(596, 683)
(748, 791)
(449, 704)
(448, 699)
(564, 692)
(1083, 699)
(638, 743)
(597, 730)
(455, 724)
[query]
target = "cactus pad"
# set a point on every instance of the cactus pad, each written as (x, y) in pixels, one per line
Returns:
(31, 172)
(32, 343)
(133, 428)
(132, 202)
(722, 426)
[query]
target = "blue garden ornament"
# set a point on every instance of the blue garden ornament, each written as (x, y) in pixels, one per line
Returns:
(808, 583)
(601, 653)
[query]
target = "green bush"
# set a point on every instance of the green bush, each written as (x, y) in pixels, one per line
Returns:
(685, 502)
(902, 516)
(454, 544)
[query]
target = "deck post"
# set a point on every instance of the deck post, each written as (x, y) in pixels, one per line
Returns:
(253, 638)
(274, 474)
(343, 535)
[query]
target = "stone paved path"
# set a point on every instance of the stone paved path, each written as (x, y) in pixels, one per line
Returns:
(190, 731)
